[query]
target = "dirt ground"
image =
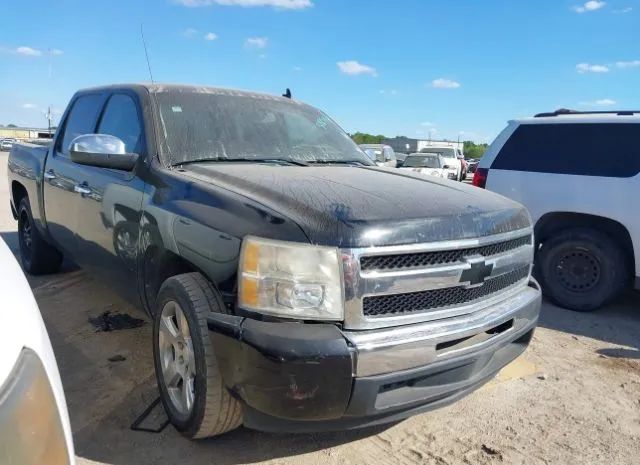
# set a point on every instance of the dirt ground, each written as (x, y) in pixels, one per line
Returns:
(573, 398)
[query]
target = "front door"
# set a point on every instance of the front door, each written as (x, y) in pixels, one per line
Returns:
(110, 213)
(62, 185)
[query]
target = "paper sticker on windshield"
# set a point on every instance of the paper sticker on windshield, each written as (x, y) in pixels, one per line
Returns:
(321, 122)
(176, 109)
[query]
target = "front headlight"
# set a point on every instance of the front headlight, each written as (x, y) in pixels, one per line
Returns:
(291, 280)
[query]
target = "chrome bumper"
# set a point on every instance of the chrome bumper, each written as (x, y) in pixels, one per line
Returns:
(417, 345)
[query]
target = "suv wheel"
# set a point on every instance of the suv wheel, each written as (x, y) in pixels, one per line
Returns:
(37, 255)
(191, 387)
(582, 269)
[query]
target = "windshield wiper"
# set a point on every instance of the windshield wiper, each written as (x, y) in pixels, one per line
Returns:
(336, 162)
(287, 161)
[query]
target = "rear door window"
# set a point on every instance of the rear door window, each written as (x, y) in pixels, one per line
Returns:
(81, 119)
(593, 149)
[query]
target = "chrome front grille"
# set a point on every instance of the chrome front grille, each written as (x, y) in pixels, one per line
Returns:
(440, 257)
(413, 302)
(398, 285)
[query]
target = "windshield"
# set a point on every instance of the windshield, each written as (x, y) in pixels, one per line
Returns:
(422, 161)
(221, 125)
(444, 151)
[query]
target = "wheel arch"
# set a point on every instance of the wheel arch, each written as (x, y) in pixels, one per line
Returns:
(554, 222)
(18, 192)
(159, 264)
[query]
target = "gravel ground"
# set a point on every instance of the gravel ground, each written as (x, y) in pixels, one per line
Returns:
(572, 398)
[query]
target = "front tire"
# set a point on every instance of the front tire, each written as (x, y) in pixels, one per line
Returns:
(37, 256)
(191, 387)
(582, 269)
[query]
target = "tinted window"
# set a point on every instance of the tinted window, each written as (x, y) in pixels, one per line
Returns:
(120, 119)
(81, 119)
(582, 149)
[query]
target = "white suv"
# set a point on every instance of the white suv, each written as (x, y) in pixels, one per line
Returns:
(578, 174)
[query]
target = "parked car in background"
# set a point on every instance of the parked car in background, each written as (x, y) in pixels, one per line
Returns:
(294, 286)
(472, 164)
(6, 144)
(432, 164)
(578, 174)
(400, 158)
(34, 423)
(450, 154)
(383, 155)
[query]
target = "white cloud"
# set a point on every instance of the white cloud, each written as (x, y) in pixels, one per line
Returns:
(28, 51)
(427, 124)
(353, 68)
(628, 64)
(599, 103)
(56, 51)
(256, 42)
(388, 92)
(442, 83)
(189, 32)
(589, 68)
(624, 10)
(29, 106)
(210, 36)
(591, 5)
(280, 4)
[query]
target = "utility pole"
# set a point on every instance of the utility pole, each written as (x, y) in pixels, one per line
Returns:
(49, 117)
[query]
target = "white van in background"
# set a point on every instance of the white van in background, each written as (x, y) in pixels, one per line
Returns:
(578, 174)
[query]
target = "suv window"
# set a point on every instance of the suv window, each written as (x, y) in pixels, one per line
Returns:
(81, 119)
(120, 119)
(587, 149)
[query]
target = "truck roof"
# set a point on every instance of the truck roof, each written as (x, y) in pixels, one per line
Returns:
(183, 88)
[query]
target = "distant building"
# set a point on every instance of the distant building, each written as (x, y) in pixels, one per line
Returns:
(25, 133)
(408, 145)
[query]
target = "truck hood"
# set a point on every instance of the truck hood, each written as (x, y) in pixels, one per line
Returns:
(348, 206)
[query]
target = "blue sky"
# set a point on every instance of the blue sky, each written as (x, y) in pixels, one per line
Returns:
(406, 67)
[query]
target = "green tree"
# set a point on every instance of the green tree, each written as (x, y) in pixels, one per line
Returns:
(473, 150)
(11, 126)
(364, 138)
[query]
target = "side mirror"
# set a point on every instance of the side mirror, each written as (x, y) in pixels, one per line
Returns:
(101, 150)
(446, 167)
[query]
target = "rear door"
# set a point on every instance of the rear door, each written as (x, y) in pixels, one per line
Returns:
(62, 177)
(110, 215)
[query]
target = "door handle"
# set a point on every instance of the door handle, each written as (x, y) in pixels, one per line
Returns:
(81, 189)
(50, 174)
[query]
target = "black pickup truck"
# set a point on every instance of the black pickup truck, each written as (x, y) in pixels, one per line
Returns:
(293, 285)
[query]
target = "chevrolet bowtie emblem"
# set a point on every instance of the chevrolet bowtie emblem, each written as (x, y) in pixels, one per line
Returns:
(477, 273)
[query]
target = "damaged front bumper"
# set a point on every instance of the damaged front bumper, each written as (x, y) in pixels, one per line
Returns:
(294, 377)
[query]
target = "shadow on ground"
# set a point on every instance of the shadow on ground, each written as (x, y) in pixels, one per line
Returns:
(617, 324)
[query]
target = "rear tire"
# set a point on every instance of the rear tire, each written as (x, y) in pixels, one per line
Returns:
(582, 269)
(183, 303)
(37, 256)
